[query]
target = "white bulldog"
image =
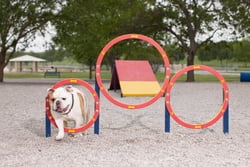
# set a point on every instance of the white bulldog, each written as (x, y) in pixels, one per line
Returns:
(68, 104)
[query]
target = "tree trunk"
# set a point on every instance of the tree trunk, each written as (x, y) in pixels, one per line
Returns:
(1, 73)
(190, 74)
(90, 71)
(2, 64)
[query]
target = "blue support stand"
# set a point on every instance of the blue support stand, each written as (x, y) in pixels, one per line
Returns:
(226, 121)
(167, 120)
(96, 125)
(47, 126)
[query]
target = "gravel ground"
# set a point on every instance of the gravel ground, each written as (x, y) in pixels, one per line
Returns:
(127, 137)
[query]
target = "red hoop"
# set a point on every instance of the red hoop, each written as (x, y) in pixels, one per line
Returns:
(124, 37)
(96, 100)
(223, 107)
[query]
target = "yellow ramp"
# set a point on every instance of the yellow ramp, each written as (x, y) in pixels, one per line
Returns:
(139, 88)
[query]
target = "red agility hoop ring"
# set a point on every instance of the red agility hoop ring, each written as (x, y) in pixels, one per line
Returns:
(225, 96)
(121, 38)
(96, 100)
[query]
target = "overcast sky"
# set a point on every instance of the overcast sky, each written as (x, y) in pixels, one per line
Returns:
(41, 44)
(38, 45)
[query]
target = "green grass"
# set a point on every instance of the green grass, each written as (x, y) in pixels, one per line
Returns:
(211, 78)
(241, 66)
(201, 78)
(41, 75)
(107, 75)
(23, 75)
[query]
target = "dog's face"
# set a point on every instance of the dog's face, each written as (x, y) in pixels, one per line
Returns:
(61, 99)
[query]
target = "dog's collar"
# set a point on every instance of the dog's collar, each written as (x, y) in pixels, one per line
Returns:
(70, 107)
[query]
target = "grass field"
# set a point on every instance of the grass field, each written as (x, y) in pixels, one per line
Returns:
(107, 76)
(160, 76)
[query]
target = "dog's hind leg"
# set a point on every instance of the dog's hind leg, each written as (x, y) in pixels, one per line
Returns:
(84, 110)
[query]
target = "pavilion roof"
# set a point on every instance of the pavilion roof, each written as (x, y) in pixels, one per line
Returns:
(27, 58)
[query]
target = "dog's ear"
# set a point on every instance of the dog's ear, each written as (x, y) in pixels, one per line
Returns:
(50, 90)
(69, 88)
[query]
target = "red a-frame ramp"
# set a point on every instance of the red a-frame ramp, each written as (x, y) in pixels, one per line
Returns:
(134, 78)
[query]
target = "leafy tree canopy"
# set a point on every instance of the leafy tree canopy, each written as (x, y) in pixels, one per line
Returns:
(19, 21)
(85, 26)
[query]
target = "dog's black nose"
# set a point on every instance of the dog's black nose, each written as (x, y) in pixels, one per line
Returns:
(57, 103)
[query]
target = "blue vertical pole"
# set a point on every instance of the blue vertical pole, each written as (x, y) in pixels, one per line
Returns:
(47, 121)
(167, 120)
(226, 118)
(96, 125)
(47, 126)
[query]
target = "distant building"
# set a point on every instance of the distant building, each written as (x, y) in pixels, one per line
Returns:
(26, 61)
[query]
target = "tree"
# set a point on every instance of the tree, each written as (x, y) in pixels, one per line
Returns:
(237, 14)
(241, 51)
(221, 50)
(191, 24)
(175, 54)
(205, 53)
(85, 26)
(19, 21)
(79, 30)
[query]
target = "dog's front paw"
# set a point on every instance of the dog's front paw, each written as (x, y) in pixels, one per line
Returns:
(85, 133)
(59, 137)
(71, 134)
(78, 135)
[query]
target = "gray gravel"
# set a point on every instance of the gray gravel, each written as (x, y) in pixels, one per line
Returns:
(127, 137)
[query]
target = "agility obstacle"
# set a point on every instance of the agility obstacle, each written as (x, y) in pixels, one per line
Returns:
(166, 86)
(134, 78)
(245, 77)
(99, 82)
(223, 111)
(50, 120)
